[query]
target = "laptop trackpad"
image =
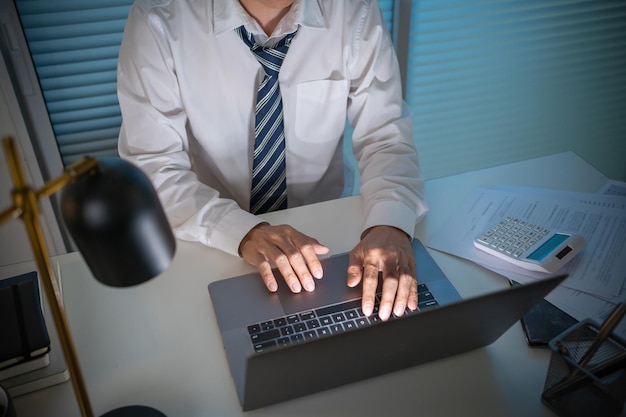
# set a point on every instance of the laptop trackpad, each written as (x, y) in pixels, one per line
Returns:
(332, 288)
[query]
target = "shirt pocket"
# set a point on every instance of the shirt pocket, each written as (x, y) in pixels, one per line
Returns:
(321, 110)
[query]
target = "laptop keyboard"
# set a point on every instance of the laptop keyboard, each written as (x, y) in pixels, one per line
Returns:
(323, 321)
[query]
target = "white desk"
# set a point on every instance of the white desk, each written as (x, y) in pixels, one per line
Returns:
(158, 344)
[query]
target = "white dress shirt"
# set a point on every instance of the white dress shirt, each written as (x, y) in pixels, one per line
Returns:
(187, 87)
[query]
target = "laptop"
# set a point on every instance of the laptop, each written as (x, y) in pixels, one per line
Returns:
(321, 333)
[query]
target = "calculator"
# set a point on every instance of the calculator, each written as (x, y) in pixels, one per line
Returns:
(528, 245)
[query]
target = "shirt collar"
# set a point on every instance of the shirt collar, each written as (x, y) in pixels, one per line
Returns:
(229, 14)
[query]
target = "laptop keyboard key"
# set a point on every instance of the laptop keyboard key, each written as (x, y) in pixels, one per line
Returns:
(312, 324)
(261, 347)
(267, 325)
(427, 304)
(349, 325)
(336, 328)
(352, 314)
(254, 328)
(338, 317)
(362, 322)
(262, 337)
(308, 315)
(326, 321)
(283, 341)
(427, 296)
(323, 331)
(286, 331)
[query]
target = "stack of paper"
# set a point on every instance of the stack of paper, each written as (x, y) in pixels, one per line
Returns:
(597, 278)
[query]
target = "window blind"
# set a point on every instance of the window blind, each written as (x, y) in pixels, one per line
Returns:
(74, 45)
(386, 8)
(490, 82)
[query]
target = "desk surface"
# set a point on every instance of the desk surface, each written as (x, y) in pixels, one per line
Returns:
(158, 344)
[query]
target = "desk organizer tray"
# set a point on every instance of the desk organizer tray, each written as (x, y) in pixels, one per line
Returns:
(597, 389)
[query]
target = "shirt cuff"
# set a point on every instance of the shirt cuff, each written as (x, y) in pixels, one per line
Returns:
(393, 213)
(232, 229)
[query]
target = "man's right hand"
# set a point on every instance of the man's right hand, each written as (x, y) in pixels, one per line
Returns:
(283, 247)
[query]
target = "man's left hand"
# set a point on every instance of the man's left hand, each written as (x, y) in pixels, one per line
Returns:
(384, 250)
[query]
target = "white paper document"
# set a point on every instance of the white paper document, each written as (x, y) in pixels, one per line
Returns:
(613, 187)
(597, 275)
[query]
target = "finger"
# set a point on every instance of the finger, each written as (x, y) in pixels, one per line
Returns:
(265, 269)
(311, 261)
(406, 294)
(289, 275)
(413, 300)
(281, 261)
(320, 249)
(370, 283)
(287, 259)
(355, 269)
(390, 287)
(302, 251)
(299, 266)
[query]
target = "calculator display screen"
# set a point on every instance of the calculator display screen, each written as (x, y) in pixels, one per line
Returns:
(547, 247)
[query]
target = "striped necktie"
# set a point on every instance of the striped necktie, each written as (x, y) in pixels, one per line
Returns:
(269, 180)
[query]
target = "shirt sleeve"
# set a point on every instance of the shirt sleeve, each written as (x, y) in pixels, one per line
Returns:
(153, 136)
(391, 181)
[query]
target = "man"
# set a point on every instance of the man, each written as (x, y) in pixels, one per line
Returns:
(189, 78)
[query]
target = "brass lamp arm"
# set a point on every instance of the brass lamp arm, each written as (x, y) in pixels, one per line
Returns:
(71, 173)
(11, 213)
(26, 207)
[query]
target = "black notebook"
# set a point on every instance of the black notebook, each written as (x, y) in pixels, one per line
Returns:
(22, 327)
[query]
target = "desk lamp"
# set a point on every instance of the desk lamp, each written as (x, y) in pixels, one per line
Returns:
(114, 216)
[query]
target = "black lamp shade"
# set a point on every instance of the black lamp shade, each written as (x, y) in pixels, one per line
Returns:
(116, 220)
